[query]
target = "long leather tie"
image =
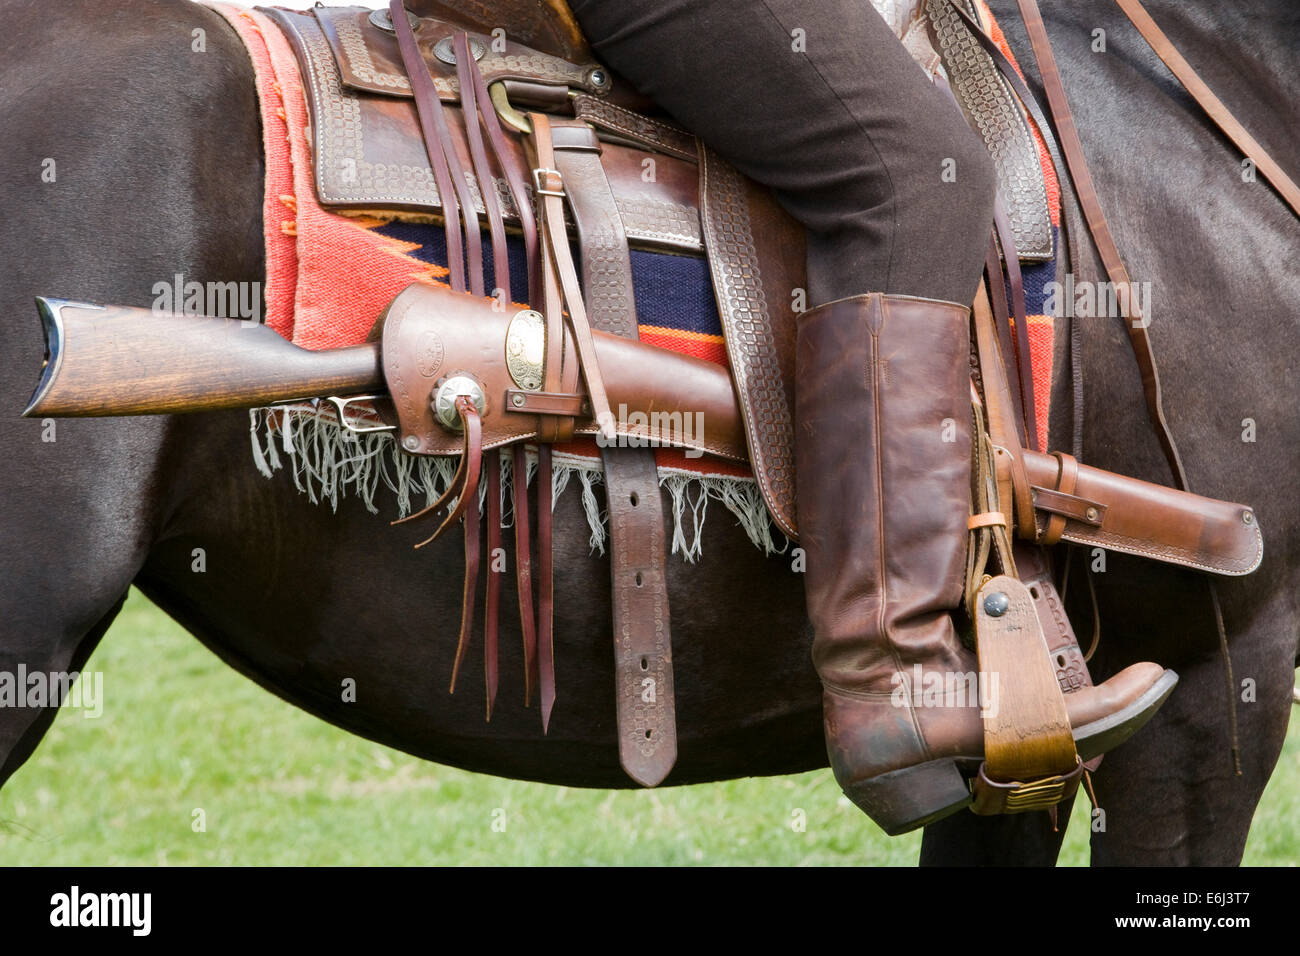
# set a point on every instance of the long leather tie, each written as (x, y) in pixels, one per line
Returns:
(1213, 106)
(453, 188)
(466, 71)
(552, 193)
(471, 80)
(643, 671)
(562, 369)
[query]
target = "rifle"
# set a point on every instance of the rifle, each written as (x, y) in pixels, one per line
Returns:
(116, 360)
(432, 346)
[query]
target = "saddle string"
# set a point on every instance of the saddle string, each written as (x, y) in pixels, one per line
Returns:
(473, 454)
(429, 112)
(1002, 319)
(1019, 313)
(471, 78)
(1213, 106)
(466, 69)
(459, 210)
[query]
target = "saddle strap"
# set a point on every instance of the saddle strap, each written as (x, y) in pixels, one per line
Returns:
(1020, 320)
(1213, 106)
(453, 187)
(523, 567)
(467, 70)
(1076, 165)
(643, 671)
(1008, 456)
(551, 193)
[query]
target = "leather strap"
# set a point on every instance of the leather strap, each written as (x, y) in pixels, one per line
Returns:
(523, 567)
(643, 670)
(1020, 321)
(643, 657)
(1002, 322)
(633, 127)
(515, 182)
(1067, 480)
(492, 605)
(466, 65)
(546, 403)
(546, 585)
(468, 505)
(551, 194)
(1075, 165)
(466, 70)
(1013, 480)
(453, 187)
(1213, 106)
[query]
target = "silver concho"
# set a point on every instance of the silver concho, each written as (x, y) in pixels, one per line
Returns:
(450, 389)
(445, 52)
(526, 349)
(381, 19)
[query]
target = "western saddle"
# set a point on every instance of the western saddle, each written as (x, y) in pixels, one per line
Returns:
(434, 112)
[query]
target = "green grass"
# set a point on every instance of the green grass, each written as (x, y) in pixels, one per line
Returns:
(276, 786)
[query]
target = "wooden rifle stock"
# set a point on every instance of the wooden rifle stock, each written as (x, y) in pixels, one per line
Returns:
(121, 361)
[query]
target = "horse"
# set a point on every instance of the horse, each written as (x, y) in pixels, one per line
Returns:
(134, 156)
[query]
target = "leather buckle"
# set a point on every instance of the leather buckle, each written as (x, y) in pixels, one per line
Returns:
(548, 182)
(993, 797)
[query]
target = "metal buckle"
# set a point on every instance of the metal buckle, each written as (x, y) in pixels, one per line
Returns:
(537, 182)
(993, 797)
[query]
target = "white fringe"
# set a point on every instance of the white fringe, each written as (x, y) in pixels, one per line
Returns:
(329, 462)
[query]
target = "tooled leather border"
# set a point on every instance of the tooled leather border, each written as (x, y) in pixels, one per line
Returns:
(748, 329)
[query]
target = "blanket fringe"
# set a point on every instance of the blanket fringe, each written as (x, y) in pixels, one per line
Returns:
(328, 462)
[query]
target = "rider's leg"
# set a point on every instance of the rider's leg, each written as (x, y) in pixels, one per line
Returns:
(821, 102)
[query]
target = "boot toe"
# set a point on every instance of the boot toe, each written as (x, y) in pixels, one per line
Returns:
(1105, 716)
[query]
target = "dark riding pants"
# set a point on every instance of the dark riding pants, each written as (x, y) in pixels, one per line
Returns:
(818, 100)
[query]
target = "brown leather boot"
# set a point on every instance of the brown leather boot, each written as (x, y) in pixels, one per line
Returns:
(882, 443)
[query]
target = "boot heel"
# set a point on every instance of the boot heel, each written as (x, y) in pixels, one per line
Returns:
(903, 800)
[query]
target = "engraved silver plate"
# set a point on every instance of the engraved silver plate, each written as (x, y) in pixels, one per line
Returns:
(452, 388)
(526, 349)
(381, 19)
(445, 52)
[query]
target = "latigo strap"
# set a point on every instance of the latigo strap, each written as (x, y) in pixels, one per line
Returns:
(643, 672)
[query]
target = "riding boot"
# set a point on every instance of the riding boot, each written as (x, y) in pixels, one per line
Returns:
(883, 452)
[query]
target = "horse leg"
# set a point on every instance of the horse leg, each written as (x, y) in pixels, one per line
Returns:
(1191, 808)
(110, 186)
(1021, 839)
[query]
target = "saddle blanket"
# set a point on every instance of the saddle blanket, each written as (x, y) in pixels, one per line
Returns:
(328, 277)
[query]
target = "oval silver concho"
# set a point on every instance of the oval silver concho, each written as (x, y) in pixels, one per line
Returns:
(445, 51)
(526, 349)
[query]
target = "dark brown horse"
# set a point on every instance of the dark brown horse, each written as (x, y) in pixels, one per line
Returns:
(156, 162)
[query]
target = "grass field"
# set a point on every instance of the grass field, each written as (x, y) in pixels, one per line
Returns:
(273, 785)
